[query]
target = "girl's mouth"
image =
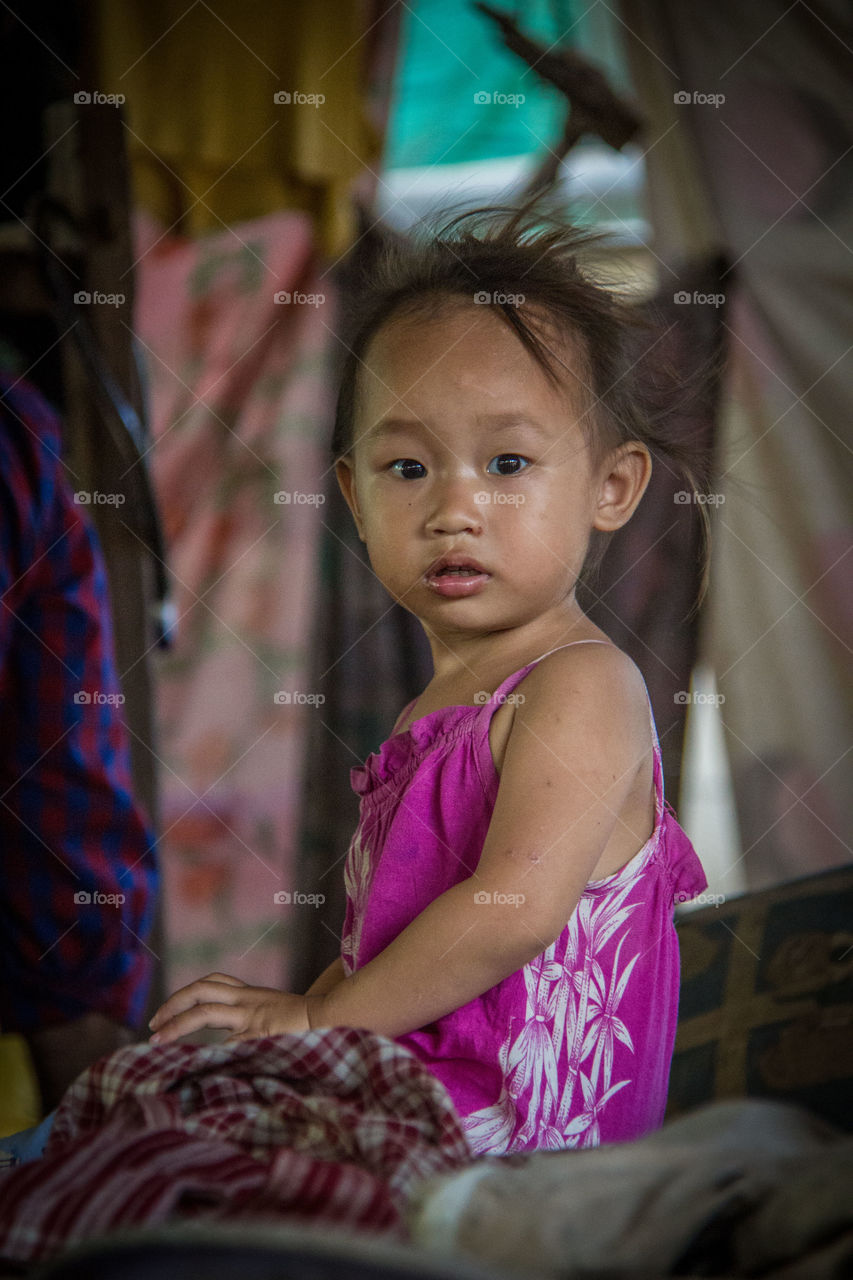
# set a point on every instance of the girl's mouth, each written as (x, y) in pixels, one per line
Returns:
(457, 580)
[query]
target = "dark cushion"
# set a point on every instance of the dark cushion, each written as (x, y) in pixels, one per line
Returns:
(766, 1007)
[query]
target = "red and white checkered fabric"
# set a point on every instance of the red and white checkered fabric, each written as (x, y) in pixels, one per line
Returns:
(336, 1125)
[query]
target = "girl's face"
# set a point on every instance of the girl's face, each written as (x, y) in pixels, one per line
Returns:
(464, 448)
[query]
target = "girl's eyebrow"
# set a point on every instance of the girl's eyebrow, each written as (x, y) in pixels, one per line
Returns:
(513, 418)
(386, 426)
(492, 421)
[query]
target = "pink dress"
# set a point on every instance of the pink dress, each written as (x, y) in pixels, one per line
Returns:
(574, 1049)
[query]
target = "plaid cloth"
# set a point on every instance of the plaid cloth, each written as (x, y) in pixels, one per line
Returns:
(336, 1124)
(78, 867)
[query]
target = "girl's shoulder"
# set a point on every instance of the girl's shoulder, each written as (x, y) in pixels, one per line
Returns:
(592, 669)
(597, 687)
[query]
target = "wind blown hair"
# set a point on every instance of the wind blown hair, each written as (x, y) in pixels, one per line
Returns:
(530, 260)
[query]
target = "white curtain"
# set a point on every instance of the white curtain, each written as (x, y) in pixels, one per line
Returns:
(750, 151)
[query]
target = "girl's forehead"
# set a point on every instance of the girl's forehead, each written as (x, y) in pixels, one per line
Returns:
(478, 333)
(408, 330)
(469, 341)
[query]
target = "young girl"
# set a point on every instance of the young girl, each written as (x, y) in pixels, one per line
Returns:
(510, 886)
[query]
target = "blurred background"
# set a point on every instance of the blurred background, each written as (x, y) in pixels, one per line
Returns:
(186, 191)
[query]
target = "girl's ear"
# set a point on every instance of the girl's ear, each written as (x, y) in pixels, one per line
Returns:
(345, 472)
(623, 480)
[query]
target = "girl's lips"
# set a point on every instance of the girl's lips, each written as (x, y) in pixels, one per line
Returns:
(453, 585)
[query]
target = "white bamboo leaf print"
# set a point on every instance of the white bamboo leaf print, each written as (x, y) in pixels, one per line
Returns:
(623, 981)
(530, 982)
(622, 1033)
(607, 1041)
(582, 915)
(544, 985)
(601, 1033)
(592, 1004)
(592, 1037)
(610, 916)
(357, 875)
(532, 1060)
(490, 1129)
(588, 1091)
(587, 1122)
(605, 1097)
(551, 1139)
(567, 1039)
(573, 1049)
(564, 1010)
(599, 982)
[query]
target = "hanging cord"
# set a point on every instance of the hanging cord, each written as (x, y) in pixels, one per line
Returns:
(126, 429)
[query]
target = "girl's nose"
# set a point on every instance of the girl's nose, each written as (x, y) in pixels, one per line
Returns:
(458, 508)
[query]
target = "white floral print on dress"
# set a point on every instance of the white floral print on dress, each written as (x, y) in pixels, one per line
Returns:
(569, 1012)
(357, 875)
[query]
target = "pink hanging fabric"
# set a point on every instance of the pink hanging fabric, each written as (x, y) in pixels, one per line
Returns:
(236, 333)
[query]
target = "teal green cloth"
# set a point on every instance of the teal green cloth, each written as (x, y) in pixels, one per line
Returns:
(452, 56)
(450, 53)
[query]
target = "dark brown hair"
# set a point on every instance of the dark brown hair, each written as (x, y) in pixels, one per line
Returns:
(527, 260)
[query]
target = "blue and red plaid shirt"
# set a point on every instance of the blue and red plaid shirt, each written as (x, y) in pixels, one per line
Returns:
(78, 869)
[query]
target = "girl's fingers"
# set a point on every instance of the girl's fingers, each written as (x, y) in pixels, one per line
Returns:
(216, 987)
(221, 1016)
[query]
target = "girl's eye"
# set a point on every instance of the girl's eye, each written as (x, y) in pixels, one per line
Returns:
(407, 468)
(507, 464)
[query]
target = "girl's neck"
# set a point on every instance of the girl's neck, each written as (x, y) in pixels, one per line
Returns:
(488, 658)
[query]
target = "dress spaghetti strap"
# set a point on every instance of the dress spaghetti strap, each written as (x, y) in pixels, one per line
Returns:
(517, 676)
(569, 645)
(401, 717)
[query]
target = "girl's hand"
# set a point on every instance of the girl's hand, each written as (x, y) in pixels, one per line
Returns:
(218, 1000)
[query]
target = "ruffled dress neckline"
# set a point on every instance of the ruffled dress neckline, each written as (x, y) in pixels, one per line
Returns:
(402, 748)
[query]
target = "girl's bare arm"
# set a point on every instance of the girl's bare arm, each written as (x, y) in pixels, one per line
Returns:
(328, 979)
